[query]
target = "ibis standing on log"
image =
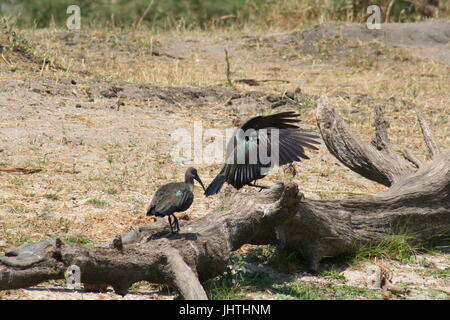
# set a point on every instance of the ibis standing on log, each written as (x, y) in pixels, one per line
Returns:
(174, 197)
(282, 139)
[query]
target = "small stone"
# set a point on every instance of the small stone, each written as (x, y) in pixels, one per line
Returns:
(374, 277)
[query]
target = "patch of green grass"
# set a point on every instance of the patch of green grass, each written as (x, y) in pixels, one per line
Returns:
(281, 259)
(162, 288)
(400, 247)
(438, 241)
(438, 295)
(211, 14)
(77, 238)
(310, 291)
(43, 216)
(230, 287)
(299, 291)
(220, 206)
(110, 159)
(17, 208)
(58, 283)
(362, 62)
(14, 238)
(438, 273)
(15, 41)
(144, 285)
(17, 181)
(308, 103)
(135, 287)
(332, 274)
(51, 196)
(46, 212)
(29, 194)
(97, 203)
(64, 223)
(350, 293)
(7, 294)
(219, 288)
(111, 191)
(238, 281)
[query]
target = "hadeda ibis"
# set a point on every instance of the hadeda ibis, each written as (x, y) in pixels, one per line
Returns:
(281, 138)
(174, 197)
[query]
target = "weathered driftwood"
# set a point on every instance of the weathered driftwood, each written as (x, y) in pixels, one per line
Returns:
(418, 201)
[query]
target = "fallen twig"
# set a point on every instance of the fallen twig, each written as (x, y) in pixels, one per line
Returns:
(254, 82)
(35, 170)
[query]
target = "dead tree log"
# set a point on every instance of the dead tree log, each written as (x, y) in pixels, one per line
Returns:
(418, 200)
(151, 253)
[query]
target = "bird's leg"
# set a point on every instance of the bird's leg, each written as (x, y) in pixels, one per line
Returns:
(177, 226)
(170, 224)
(256, 186)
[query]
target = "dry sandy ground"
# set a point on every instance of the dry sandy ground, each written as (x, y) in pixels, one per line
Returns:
(100, 127)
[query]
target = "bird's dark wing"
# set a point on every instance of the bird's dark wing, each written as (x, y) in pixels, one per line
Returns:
(239, 175)
(279, 133)
(290, 144)
(282, 120)
(170, 198)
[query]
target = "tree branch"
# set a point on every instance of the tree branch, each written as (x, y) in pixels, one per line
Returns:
(383, 166)
(381, 140)
(412, 158)
(431, 144)
(181, 276)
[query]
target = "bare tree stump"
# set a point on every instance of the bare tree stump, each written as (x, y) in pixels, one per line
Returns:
(418, 200)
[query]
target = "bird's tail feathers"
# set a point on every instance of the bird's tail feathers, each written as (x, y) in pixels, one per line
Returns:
(215, 186)
(151, 211)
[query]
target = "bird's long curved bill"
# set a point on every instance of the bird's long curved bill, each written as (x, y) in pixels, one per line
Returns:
(200, 181)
